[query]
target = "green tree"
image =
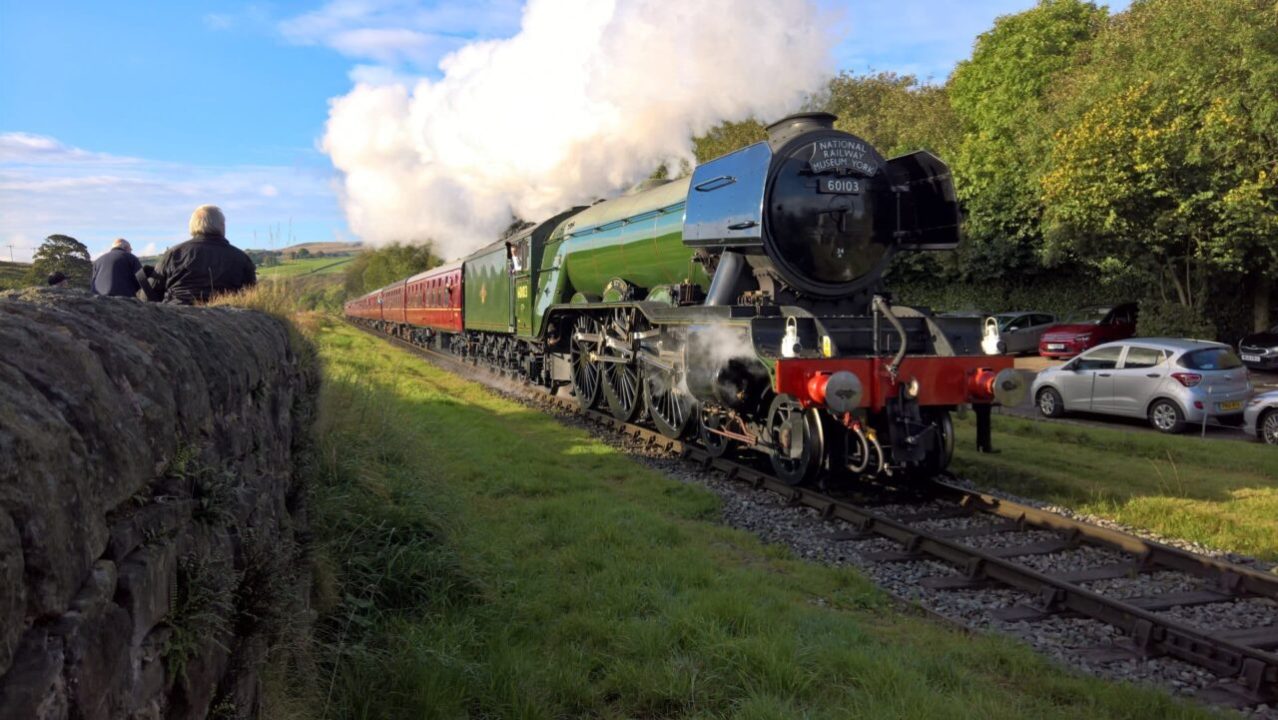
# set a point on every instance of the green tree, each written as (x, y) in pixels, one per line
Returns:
(727, 137)
(1169, 169)
(65, 254)
(1002, 97)
(895, 113)
(373, 269)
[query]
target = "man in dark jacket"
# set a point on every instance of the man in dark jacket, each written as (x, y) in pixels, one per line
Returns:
(115, 273)
(206, 265)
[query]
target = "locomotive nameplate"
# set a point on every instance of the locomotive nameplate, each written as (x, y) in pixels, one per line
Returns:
(841, 154)
(839, 185)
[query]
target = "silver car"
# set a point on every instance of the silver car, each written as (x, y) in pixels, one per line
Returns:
(1261, 417)
(1015, 332)
(1171, 382)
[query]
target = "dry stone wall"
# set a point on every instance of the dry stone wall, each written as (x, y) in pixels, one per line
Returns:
(151, 509)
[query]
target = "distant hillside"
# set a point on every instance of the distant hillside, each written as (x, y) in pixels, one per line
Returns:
(328, 248)
(294, 267)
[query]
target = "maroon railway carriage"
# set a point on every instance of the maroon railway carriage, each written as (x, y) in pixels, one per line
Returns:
(425, 309)
(434, 299)
(368, 307)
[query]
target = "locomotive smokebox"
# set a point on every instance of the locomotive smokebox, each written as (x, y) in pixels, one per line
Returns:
(792, 126)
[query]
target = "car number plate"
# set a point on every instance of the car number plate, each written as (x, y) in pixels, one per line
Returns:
(1055, 346)
(839, 186)
(1251, 358)
(1231, 405)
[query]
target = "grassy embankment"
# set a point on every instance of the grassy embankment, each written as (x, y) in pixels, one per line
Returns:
(306, 266)
(1223, 494)
(13, 275)
(480, 559)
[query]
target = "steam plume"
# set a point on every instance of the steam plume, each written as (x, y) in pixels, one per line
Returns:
(588, 98)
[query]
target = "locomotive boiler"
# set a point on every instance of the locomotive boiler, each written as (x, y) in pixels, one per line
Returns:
(742, 305)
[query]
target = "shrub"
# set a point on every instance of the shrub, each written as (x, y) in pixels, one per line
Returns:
(1159, 318)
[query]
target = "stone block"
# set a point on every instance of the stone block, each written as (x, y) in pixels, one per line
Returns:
(13, 593)
(148, 578)
(34, 687)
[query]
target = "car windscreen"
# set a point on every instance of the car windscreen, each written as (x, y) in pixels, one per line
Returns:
(1210, 359)
(1004, 320)
(1087, 316)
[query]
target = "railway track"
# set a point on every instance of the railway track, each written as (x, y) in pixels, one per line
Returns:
(947, 522)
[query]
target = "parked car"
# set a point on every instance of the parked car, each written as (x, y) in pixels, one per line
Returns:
(1171, 382)
(1015, 332)
(1259, 351)
(1261, 417)
(1086, 328)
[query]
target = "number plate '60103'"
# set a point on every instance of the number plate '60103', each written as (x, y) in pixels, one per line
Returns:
(841, 186)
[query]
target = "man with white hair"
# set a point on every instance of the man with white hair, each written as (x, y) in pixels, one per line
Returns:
(205, 266)
(115, 273)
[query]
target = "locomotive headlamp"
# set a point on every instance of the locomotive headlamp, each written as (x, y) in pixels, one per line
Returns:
(912, 388)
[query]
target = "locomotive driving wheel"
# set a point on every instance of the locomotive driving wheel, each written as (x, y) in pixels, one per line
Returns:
(798, 440)
(669, 406)
(620, 376)
(585, 370)
(672, 409)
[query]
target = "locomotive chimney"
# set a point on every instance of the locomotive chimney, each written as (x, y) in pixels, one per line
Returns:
(791, 126)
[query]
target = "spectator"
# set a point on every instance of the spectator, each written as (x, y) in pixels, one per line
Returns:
(205, 266)
(58, 279)
(115, 273)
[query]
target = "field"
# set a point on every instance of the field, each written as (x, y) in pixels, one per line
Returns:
(477, 558)
(1221, 494)
(13, 275)
(306, 266)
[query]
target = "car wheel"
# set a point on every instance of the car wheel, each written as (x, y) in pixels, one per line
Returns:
(1269, 428)
(1166, 417)
(1050, 403)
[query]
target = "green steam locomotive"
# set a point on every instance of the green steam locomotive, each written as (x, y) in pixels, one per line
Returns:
(742, 305)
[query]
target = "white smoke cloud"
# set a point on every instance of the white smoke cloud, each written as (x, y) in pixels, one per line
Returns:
(587, 99)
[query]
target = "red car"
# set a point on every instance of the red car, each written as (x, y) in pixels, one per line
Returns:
(1086, 328)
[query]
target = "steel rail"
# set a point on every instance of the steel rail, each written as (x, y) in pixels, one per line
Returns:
(1254, 670)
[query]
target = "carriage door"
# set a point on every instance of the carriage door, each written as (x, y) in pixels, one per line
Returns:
(521, 282)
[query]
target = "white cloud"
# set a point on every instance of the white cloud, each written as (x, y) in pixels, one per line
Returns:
(394, 32)
(49, 187)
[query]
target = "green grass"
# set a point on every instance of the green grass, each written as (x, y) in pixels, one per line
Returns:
(13, 275)
(478, 559)
(305, 266)
(1223, 494)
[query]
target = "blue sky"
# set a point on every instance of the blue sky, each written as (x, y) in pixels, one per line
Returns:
(118, 118)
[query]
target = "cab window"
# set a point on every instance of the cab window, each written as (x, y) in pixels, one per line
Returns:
(1140, 357)
(1105, 358)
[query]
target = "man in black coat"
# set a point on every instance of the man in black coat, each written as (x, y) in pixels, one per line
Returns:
(115, 273)
(205, 266)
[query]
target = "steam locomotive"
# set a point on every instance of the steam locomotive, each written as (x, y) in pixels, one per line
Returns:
(742, 305)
